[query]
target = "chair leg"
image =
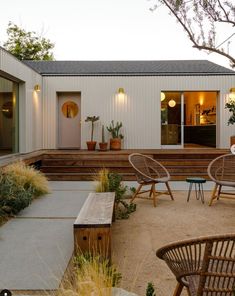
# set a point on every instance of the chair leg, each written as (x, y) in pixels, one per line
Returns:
(219, 192)
(213, 195)
(188, 292)
(178, 289)
(154, 195)
(136, 193)
(151, 190)
(169, 190)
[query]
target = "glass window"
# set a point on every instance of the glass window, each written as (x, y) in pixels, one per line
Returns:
(170, 118)
(8, 116)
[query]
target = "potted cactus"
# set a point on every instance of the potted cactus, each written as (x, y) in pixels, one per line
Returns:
(103, 145)
(91, 144)
(115, 141)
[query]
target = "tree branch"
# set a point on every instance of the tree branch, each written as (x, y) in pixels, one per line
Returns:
(197, 13)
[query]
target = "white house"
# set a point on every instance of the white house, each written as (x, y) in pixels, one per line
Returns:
(166, 104)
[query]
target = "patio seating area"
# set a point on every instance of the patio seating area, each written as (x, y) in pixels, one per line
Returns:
(136, 240)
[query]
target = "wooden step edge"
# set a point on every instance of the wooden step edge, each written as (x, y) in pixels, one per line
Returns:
(82, 166)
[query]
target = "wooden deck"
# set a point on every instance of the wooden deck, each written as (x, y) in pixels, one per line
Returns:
(84, 165)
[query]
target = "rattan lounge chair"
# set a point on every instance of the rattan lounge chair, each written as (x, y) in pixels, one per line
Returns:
(205, 266)
(149, 172)
(221, 170)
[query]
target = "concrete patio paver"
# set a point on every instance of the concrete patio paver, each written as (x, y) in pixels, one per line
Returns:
(36, 246)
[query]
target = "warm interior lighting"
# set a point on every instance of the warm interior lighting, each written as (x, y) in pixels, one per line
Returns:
(232, 94)
(37, 87)
(172, 103)
(163, 96)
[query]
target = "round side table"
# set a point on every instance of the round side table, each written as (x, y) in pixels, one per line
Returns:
(198, 183)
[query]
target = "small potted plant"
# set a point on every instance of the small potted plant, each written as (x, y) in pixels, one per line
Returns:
(115, 141)
(91, 144)
(103, 145)
(230, 105)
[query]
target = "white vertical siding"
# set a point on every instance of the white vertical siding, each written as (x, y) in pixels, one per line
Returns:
(140, 112)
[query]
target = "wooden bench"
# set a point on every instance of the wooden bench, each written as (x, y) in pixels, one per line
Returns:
(92, 228)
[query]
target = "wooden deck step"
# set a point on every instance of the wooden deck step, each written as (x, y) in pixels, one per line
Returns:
(84, 165)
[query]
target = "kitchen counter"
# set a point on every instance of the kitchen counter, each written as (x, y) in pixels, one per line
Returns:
(200, 134)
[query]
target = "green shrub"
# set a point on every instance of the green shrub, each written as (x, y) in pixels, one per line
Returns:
(150, 291)
(19, 184)
(112, 182)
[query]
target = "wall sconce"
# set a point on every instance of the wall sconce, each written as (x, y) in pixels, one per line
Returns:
(163, 96)
(232, 94)
(121, 94)
(121, 91)
(172, 103)
(37, 87)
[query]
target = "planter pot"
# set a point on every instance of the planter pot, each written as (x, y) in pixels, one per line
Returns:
(91, 145)
(103, 146)
(115, 144)
(232, 140)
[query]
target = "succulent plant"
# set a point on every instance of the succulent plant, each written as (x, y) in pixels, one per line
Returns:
(114, 129)
(92, 119)
(103, 137)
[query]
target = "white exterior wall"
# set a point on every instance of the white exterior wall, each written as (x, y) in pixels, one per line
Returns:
(30, 102)
(140, 113)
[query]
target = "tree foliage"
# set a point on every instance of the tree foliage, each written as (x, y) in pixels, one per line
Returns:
(201, 20)
(27, 45)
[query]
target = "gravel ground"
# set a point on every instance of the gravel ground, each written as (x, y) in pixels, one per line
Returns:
(136, 240)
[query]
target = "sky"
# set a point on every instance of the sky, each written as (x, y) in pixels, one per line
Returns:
(105, 30)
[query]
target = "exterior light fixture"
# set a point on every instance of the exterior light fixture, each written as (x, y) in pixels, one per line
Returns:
(121, 94)
(37, 87)
(163, 96)
(172, 103)
(232, 94)
(121, 91)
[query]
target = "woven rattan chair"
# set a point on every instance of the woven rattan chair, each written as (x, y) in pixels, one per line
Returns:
(205, 266)
(149, 172)
(221, 170)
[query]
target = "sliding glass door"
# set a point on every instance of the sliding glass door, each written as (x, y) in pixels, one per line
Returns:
(172, 118)
(188, 119)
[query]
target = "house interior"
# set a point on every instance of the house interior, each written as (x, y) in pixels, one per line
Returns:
(188, 119)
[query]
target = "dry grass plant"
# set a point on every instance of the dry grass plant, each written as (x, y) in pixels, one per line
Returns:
(90, 276)
(102, 179)
(27, 177)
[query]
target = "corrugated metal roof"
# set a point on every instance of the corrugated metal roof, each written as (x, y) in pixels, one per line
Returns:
(169, 67)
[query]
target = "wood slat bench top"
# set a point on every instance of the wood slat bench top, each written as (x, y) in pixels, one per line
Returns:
(97, 211)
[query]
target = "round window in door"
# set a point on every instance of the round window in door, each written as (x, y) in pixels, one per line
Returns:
(70, 109)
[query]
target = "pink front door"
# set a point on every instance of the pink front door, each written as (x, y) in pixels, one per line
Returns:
(69, 120)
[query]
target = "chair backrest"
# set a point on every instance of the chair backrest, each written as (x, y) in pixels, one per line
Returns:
(222, 168)
(146, 167)
(209, 260)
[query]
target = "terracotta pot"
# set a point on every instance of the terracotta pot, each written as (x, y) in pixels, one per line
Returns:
(115, 144)
(103, 146)
(232, 140)
(91, 145)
